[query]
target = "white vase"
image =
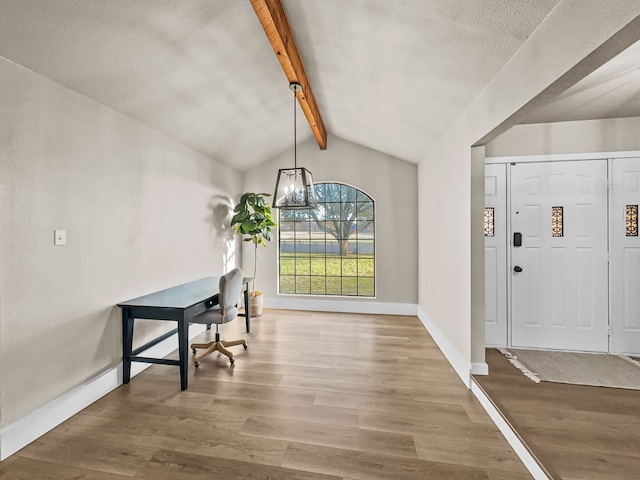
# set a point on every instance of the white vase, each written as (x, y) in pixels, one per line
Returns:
(255, 304)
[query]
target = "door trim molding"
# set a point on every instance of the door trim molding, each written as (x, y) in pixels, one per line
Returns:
(563, 157)
(609, 259)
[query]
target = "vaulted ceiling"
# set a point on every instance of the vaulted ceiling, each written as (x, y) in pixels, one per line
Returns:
(611, 91)
(389, 75)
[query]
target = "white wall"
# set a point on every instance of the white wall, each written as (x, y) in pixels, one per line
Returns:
(478, 256)
(586, 136)
(141, 211)
(572, 41)
(391, 182)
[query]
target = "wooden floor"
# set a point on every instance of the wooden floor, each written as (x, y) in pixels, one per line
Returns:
(577, 432)
(316, 396)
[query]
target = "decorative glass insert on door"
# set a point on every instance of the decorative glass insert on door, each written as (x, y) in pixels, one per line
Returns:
(632, 220)
(489, 222)
(557, 224)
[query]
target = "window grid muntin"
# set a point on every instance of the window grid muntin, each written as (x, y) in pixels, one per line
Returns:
(349, 279)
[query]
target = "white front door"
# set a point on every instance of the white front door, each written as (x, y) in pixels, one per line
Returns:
(625, 256)
(495, 255)
(559, 266)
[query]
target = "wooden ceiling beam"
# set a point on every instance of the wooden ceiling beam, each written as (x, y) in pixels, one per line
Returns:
(274, 21)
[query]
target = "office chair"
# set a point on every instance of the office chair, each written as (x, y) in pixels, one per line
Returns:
(226, 310)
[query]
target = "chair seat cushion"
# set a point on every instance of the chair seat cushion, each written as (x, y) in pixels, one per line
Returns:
(214, 315)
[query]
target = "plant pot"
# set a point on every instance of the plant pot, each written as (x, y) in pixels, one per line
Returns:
(255, 304)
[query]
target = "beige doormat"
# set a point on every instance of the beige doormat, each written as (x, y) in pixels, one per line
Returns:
(600, 370)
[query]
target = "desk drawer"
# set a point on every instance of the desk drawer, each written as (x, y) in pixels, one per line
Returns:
(212, 302)
(205, 305)
(201, 307)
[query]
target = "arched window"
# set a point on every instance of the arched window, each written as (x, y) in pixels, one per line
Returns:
(329, 250)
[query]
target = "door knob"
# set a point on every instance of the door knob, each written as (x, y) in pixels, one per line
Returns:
(517, 269)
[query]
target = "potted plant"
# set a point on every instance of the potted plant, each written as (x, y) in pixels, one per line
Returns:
(253, 220)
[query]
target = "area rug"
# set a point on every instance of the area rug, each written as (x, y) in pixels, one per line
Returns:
(600, 370)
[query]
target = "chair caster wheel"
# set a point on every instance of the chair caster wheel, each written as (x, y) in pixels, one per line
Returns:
(193, 350)
(232, 361)
(245, 346)
(197, 364)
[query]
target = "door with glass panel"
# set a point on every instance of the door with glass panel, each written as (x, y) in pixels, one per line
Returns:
(559, 265)
(495, 255)
(625, 256)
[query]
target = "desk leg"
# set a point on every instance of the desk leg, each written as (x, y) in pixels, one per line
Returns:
(247, 314)
(183, 351)
(127, 344)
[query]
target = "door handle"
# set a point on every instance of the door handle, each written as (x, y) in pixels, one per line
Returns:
(517, 269)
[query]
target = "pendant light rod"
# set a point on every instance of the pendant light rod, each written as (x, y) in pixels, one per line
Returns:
(295, 87)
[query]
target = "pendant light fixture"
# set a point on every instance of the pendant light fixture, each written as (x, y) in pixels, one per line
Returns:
(294, 186)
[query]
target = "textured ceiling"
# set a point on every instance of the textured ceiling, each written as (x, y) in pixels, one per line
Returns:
(612, 91)
(391, 76)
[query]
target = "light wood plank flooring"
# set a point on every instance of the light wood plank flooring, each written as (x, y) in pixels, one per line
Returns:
(316, 396)
(577, 432)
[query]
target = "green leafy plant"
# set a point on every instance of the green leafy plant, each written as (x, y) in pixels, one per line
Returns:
(253, 220)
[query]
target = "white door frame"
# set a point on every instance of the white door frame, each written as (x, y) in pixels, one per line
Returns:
(609, 156)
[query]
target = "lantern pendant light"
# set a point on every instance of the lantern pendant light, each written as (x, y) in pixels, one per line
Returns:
(294, 186)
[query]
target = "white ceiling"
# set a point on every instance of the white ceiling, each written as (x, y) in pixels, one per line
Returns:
(611, 91)
(390, 75)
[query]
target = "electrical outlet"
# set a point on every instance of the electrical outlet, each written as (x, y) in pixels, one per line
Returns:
(59, 237)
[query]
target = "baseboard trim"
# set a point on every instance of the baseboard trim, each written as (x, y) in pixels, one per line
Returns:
(21, 433)
(322, 305)
(457, 361)
(529, 461)
(479, 369)
(464, 370)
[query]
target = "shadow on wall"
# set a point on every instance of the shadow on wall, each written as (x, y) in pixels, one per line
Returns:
(221, 212)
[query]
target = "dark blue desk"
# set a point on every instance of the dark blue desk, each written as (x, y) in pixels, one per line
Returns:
(179, 304)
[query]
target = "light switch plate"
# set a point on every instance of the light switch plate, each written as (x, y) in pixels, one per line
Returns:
(59, 237)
